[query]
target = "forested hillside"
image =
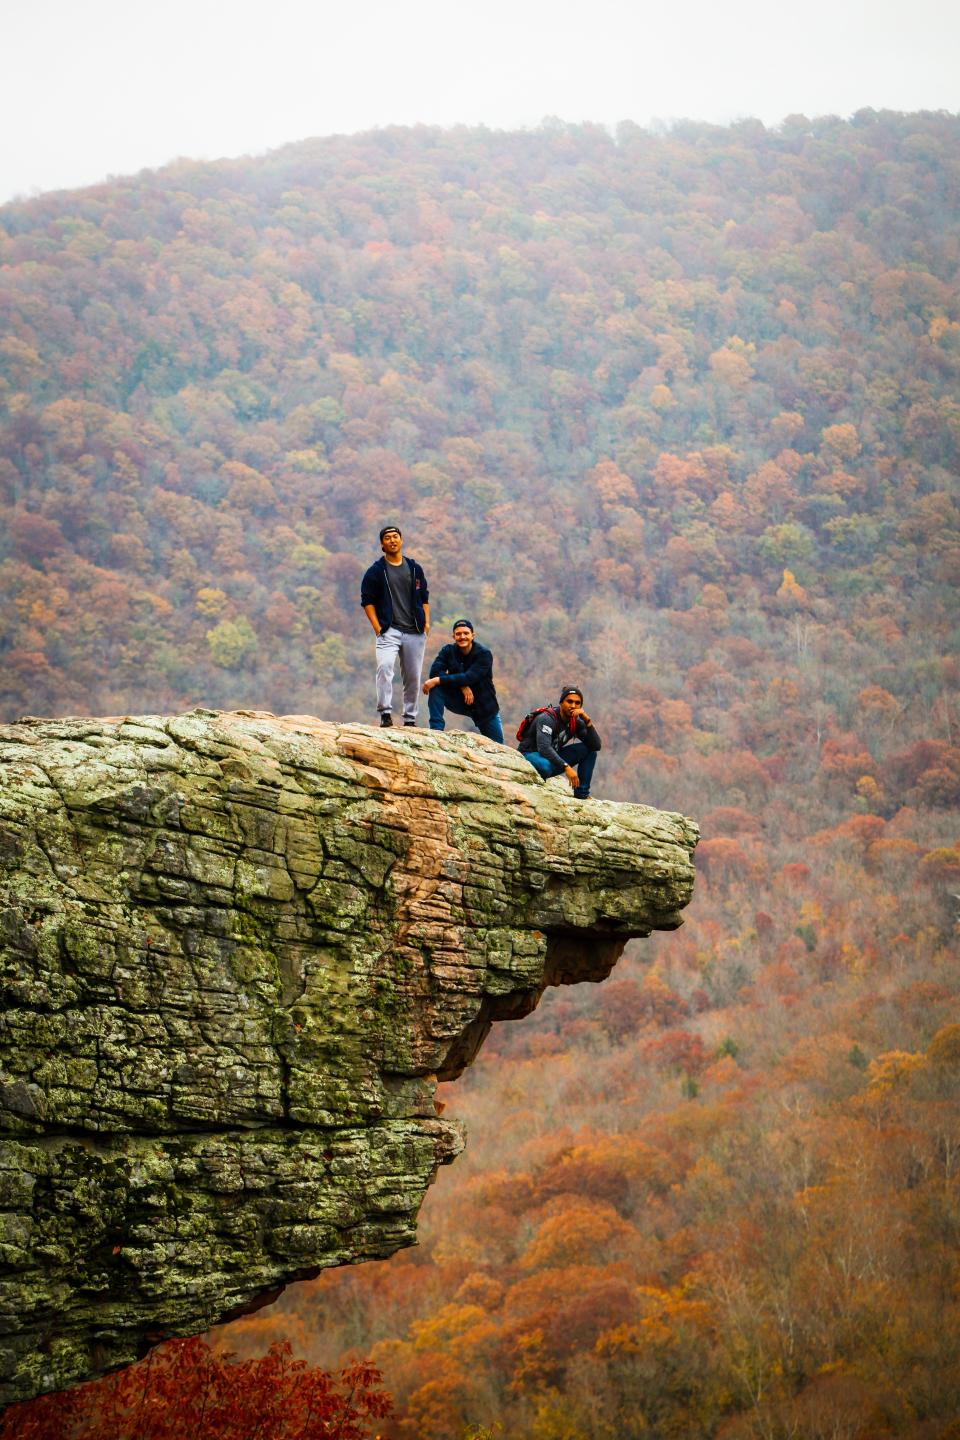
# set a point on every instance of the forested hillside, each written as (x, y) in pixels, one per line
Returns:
(672, 416)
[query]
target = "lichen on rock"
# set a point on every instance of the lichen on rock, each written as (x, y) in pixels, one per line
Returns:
(238, 952)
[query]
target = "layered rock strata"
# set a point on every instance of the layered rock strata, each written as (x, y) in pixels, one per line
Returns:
(237, 954)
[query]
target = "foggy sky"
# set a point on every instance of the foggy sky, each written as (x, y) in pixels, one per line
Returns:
(90, 88)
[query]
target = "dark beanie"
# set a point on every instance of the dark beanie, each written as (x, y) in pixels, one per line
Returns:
(571, 690)
(458, 623)
(391, 527)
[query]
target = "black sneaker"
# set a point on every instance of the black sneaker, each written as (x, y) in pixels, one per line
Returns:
(409, 722)
(385, 719)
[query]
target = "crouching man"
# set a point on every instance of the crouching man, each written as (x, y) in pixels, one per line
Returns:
(562, 740)
(461, 680)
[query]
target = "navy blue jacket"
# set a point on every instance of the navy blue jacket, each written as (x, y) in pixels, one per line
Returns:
(454, 670)
(375, 591)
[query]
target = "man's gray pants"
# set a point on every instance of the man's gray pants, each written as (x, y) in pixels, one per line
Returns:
(410, 648)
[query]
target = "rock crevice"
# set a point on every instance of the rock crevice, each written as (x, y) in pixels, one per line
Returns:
(238, 951)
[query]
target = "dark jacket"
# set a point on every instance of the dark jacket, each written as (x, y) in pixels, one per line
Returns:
(375, 591)
(547, 734)
(455, 670)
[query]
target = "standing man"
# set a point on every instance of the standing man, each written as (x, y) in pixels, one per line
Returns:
(461, 680)
(557, 739)
(395, 600)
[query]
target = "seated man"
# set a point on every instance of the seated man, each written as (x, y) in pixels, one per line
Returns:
(557, 739)
(461, 680)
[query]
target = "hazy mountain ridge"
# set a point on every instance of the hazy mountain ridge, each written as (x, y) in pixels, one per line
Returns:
(487, 316)
(675, 416)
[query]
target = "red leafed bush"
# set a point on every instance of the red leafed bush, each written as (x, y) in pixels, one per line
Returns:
(855, 835)
(845, 760)
(184, 1388)
(677, 1050)
(730, 820)
(624, 1007)
(722, 856)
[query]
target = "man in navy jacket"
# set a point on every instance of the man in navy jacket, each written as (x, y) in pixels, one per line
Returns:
(461, 680)
(396, 601)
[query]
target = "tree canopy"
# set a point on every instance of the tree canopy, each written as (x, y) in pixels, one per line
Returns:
(673, 416)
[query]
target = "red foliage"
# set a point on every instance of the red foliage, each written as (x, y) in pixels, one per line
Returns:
(624, 1007)
(859, 832)
(570, 1308)
(927, 772)
(843, 760)
(184, 1384)
(34, 537)
(677, 1050)
(730, 820)
(739, 770)
(584, 1173)
(721, 856)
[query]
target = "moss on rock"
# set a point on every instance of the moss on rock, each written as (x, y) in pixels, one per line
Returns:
(237, 952)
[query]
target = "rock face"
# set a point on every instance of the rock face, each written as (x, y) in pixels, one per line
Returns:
(237, 953)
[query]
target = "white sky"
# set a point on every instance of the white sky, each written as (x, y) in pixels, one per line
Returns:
(90, 88)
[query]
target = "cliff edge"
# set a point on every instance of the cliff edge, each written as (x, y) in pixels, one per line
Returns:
(238, 951)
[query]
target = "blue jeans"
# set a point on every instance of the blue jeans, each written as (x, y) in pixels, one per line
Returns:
(437, 702)
(576, 754)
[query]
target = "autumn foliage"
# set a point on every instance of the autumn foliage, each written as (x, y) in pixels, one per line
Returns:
(184, 1388)
(672, 416)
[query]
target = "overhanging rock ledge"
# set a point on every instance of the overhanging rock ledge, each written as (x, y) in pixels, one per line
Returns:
(237, 953)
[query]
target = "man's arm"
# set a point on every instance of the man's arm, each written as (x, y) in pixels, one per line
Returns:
(368, 596)
(422, 591)
(437, 670)
(587, 732)
(368, 586)
(545, 745)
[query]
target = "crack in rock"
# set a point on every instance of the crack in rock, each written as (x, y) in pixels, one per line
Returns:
(238, 951)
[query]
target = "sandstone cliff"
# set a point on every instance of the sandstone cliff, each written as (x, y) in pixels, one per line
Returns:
(237, 953)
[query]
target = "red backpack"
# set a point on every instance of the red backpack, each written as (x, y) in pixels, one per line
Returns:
(531, 715)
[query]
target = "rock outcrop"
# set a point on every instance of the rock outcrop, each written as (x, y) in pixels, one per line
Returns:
(237, 953)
